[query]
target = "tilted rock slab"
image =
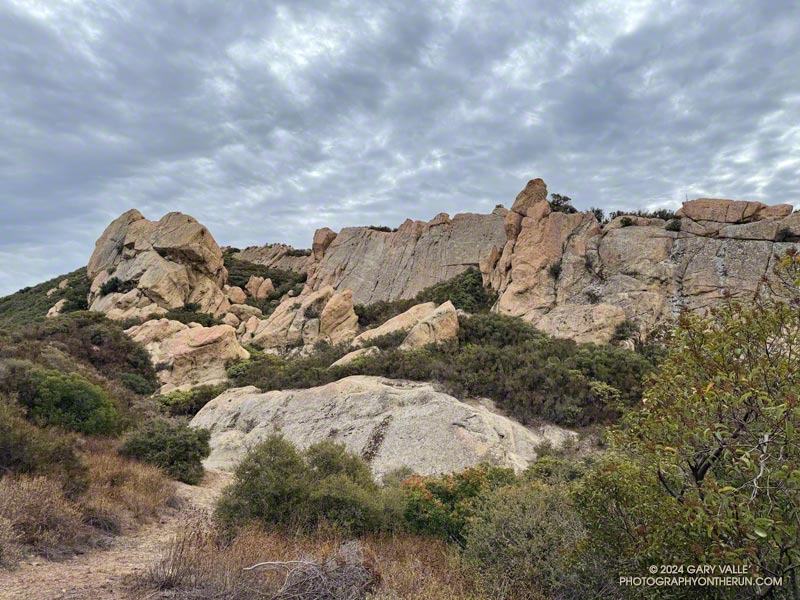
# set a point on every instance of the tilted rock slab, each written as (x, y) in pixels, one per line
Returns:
(379, 265)
(571, 278)
(439, 326)
(275, 256)
(187, 356)
(390, 423)
(162, 265)
(402, 322)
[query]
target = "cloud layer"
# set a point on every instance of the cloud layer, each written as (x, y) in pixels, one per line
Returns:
(266, 121)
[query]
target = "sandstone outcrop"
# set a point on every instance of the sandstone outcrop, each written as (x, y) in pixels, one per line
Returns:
(56, 309)
(572, 278)
(390, 423)
(439, 326)
(187, 356)
(322, 316)
(142, 268)
(402, 322)
(259, 287)
(379, 265)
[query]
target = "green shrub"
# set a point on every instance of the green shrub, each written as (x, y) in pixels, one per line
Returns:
(562, 204)
(24, 448)
(673, 225)
(443, 505)
(298, 252)
(626, 222)
(383, 228)
(176, 448)
(465, 291)
(389, 341)
(626, 330)
(189, 314)
(137, 384)
(189, 402)
(520, 542)
(555, 269)
(116, 285)
(276, 484)
(65, 400)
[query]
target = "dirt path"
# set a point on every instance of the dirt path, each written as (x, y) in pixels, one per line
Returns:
(99, 575)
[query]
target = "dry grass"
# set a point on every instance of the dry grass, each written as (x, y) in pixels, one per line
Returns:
(37, 516)
(131, 491)
(201, 564)
(41, 518)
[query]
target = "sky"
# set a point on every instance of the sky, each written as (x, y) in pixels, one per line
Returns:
(267, 120)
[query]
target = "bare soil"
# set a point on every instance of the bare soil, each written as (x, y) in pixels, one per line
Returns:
(101, 574)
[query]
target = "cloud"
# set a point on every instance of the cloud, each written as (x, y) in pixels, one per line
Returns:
(267, 120)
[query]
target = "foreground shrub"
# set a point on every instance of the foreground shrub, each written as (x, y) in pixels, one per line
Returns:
(708, 470)
(275, 484)
(24, 448)
(176, 448)
(442, 505)
(520, 541)
(66, 400)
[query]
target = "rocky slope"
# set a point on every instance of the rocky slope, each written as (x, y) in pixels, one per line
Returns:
(391, 423)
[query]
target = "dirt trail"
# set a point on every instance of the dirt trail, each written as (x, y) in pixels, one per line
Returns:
(99, 575)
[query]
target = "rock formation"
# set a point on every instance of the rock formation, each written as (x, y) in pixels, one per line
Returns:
(572, 278)
(355, 355)
(390, 423)
(402, 322)
(439, 326)
(142, 268)
(378, 265)
(187, 356)
(322, 316)
(259, 287)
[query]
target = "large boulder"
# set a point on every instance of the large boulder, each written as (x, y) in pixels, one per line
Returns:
(439, 326)
(355, 355)
(390, 423)
(259, 287)
(141, 268)
(188, 356)
(402, 322)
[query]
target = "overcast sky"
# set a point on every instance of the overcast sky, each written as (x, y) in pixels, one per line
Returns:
(266, 120)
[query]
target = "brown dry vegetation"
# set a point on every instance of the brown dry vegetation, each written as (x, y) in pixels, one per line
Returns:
(201, 563)
(38, 516)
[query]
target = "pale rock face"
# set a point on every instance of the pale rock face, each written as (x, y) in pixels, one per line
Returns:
(324, 315)
(56, 309)
(378, 265)
(188, 356)
(391, 423)
(168, 263)
(245, 311)
(355, 355)
(583, 323)
(402, 322)
(441, 325)
(231, 319)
